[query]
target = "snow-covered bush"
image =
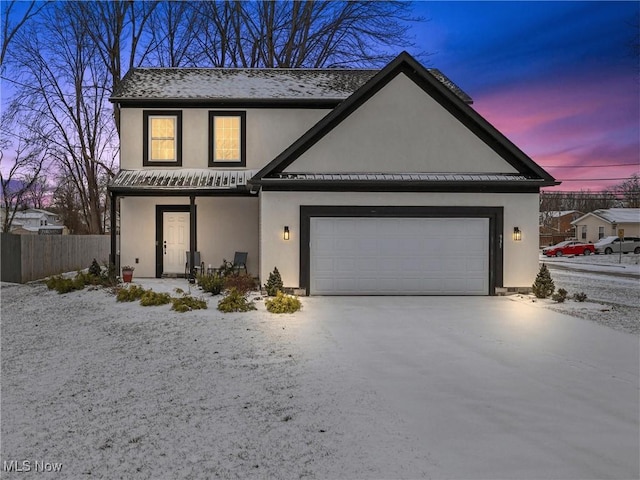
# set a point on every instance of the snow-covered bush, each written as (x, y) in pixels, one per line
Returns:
(282, 303)
(543, 286)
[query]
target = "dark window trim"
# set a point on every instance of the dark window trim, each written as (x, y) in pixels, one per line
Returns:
(160, 210)
(243, 137)
(145, 138)
(494, 214)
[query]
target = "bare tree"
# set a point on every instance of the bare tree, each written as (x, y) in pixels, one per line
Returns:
(64, 87)
(629, 191)
(311, 34)
(118, 29)
(16, 181)
(12, 22)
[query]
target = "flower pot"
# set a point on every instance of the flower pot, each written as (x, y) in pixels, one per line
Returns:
(127, 276)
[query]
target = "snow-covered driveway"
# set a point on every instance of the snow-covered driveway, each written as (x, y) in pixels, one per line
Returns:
(491, 388)
(357, 387)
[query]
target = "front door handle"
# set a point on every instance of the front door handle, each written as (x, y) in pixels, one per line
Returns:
(165, 247)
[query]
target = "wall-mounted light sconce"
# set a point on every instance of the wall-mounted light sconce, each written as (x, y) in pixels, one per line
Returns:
(517, 234)
(285, 235)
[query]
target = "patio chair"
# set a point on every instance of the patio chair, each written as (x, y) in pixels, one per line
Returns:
(198, 265)
(240, 262)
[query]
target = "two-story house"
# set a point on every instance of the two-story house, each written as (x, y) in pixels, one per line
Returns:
(349, 181)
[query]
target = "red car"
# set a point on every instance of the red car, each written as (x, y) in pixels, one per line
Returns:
(569, 247)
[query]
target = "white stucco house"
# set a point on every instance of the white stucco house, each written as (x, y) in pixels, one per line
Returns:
(606, 222)
(348, 181)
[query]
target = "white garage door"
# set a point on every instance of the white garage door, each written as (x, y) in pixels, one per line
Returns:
(399, 256)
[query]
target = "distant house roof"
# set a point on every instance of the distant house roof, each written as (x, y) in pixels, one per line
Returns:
(614, 215)
(559, 213)
(248, 85)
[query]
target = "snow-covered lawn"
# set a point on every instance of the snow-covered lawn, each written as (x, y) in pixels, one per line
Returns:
(468, 387)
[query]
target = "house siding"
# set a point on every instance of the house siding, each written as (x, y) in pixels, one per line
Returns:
(224, 225)
(269, 131)
(400, 129)
(592, 223)
(277, 209)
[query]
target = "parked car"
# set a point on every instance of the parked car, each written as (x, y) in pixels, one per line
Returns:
(609, 245)
(569, 247)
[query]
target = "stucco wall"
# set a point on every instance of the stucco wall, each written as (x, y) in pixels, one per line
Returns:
(225, 225)
(400, 129)
(278, 209)
(269, 132)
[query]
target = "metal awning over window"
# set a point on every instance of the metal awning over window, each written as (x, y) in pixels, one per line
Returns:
(187, 180)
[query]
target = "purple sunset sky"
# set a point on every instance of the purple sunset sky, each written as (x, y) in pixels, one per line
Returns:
(559, 79)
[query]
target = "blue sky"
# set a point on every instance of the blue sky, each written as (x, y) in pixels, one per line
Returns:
(558, 78)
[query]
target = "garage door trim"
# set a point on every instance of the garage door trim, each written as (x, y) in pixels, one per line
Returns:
(494, 214)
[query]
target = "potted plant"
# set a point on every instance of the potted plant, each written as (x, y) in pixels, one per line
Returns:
(127, 273)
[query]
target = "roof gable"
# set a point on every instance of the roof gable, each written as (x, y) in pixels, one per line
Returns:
(405, 64)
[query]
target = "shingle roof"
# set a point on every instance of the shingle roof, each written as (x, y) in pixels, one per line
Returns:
(251, 84)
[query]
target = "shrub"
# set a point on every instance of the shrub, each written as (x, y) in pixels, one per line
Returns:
(274, 283)
(95, 269)
(186, 303)
(65, 285)
(211, 283)
(151, 298)
(226, 268)
(130, 294)
(543, 285)
(283, 303)
(242, 282)
(235, 301)
(560, 296)
(580, 297)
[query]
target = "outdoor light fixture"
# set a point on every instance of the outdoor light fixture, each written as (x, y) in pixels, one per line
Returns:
(286, 233)
(517, 234)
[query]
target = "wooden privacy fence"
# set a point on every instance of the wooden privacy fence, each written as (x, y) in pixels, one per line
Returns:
(32, 257)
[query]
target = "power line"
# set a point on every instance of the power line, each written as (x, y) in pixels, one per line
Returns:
(593, 166)
(590, 179)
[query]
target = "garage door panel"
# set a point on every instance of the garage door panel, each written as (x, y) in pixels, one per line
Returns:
(399, 256)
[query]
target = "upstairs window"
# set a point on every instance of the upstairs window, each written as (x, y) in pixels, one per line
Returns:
(162, 138)
(227, 139)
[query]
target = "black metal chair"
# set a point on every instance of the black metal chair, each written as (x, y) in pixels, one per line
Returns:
(198, 265)
(240, 262)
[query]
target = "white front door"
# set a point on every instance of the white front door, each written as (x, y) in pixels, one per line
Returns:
(175, 241)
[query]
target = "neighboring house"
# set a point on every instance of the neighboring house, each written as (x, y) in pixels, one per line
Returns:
(555, 226)
(33, 221)
(347, 181)
(607, 222)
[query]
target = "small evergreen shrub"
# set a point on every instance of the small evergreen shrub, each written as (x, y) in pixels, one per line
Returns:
(226, 268)
(282, 303)
(543, 286)
(94, 269)
(212, 284)
(560, 296)
(242, 282)
(130, 294)
(65, 285)
(580, 297)
(234, 301)
(274, 283)
(186, 303)
(151, 298)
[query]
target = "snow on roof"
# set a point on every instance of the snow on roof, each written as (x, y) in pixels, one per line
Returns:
(558, 213)
(615, 215)
(620, 215)
(249, 84)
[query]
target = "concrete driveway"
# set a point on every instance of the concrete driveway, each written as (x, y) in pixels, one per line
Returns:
(487, 387)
